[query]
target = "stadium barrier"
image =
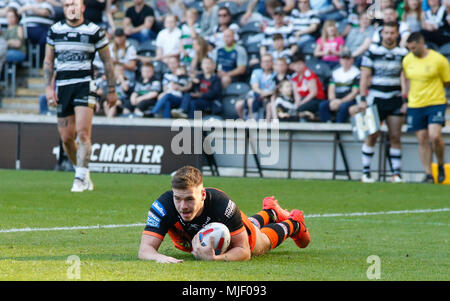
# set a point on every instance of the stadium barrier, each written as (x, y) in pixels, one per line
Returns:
(226, 148)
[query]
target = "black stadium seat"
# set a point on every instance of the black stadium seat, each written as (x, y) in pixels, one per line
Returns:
(445, 50)
(237, 89)
(228, 107)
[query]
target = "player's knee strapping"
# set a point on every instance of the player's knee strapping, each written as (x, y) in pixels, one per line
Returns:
(277, 233)
(263, 218)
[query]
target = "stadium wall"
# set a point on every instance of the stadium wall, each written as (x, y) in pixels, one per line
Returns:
(304, 150)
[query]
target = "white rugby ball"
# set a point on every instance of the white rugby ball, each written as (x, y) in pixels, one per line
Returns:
(221, 236)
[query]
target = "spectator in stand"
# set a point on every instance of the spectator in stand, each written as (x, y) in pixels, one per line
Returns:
(176, 8)
(354, 10)
(329, 9)
(377, 10)
(146, 91)
(263, 86)
(189, 31)
(390, 15)
(168, 42)
(139, 22)
(281, 67)
(124, 52)
(122, 91)
(413, 15)
(435, 26)
(278, 27)
(175, 85)
(37, 17)
(329, 45)
(231, 60)
(58, 9)
(200, 47)
(94, 12)
(278, 49)
(342, 90)
(225, 23)
(207, 89)
(209, 19)
(262, 11)
(284, 103)
(359, 38)
(308, 89)
(305, 24)
(14, 38)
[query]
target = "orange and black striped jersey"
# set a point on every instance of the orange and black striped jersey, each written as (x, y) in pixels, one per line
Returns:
(164, 218)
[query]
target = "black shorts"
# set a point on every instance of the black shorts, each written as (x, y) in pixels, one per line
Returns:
(388, 107)
(70, 96)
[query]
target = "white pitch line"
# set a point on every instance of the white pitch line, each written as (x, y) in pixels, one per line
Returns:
(325, 215)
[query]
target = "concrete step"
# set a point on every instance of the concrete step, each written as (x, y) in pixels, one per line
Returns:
(27, 92)
(36, 83)
(20, 100)
(20, 110)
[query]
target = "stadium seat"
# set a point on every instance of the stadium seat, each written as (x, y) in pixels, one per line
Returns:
(321, 69)
(33, 59)
(237, 89)
(309, 48)
(147, 48)
(160, 68)
(10, 78)
(445, 50)
(228, 103)
(432, 45)
(252, 27)
(252, 50)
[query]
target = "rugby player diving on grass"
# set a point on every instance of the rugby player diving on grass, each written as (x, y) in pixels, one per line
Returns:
(188, 207)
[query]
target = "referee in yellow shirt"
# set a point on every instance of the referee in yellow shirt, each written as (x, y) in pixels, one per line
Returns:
(427, 72)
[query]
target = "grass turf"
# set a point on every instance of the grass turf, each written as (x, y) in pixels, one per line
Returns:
(410, 246)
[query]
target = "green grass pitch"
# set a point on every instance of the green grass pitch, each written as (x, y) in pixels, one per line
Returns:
(410, 246)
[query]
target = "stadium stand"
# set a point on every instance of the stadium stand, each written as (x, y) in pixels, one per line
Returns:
(22, 84)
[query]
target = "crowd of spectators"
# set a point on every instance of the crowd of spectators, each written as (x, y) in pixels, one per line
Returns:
(299, 59)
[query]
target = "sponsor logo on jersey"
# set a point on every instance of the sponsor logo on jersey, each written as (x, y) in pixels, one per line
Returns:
(230, 209)
(159, 208)
(153, 220)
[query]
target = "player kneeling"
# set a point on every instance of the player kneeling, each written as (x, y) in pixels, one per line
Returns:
(188, 207)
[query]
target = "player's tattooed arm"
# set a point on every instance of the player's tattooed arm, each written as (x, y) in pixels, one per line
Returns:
(109, 67)
(48, 64)
(51, 96)
(111, 97)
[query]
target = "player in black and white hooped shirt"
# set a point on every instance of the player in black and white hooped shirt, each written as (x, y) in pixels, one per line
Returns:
(383, 84)
(70, 50)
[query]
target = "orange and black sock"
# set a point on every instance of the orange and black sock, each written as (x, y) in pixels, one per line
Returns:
(277, 233)
(263, 218)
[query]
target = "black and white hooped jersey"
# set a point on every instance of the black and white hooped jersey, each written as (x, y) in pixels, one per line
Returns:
(75, 49)
(386, 66)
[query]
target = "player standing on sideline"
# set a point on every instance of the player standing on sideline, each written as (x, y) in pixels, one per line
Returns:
(188, 207)
(70, 51)
(383, 84)
(427, 71)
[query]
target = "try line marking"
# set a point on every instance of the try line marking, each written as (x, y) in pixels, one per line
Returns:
(325, 215)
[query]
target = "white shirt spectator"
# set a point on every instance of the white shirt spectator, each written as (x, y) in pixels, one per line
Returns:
(168, 41)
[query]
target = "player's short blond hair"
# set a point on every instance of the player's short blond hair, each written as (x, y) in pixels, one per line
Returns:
(187, 177)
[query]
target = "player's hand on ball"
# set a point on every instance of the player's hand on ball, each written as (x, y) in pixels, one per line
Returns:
(203, 252)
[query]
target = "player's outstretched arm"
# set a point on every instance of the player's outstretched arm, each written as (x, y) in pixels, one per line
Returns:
(239, 249)
(148, 250)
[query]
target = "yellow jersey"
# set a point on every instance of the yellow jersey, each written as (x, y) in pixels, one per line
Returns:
(426, 79)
